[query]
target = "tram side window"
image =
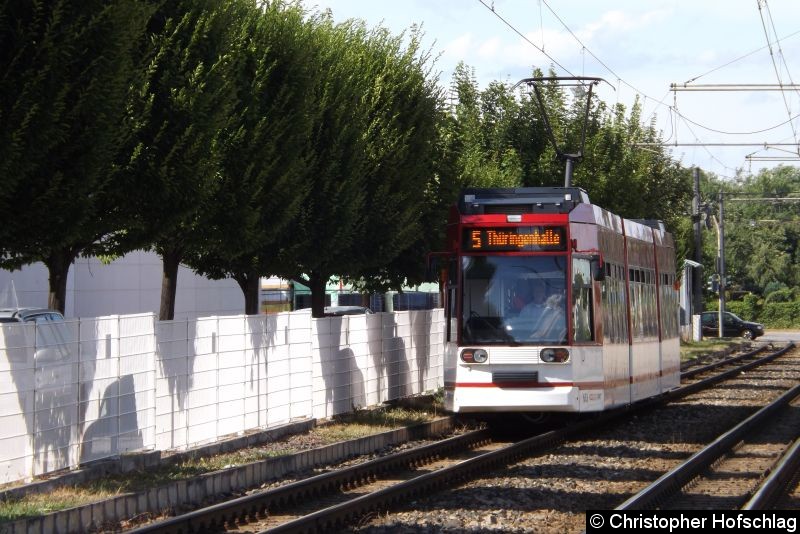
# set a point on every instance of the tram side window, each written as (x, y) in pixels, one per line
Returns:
(669, 298)
(644, 311)
(614, 318)
(452, 292)
(583, 324)
(452, 314)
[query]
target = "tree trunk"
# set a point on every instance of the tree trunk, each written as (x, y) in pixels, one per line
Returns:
(317, 283)
(169, 284)
(58, 266)
(249, 283)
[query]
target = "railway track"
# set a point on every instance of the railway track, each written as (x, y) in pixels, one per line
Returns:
(286, 503)
(727, 472)
(343, 497)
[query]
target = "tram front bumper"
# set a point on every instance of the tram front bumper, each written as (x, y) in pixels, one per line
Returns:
(472, 399)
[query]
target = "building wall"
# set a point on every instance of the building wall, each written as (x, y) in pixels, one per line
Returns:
(131, 284)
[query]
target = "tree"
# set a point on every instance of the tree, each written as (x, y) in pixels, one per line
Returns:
(404, 105)
(67, 68)
(480, 130)
(264, 152)
(761, 236)
(372, 145)
(499, 140)
(177, 118)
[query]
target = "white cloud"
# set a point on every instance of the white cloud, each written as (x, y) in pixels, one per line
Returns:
(490, 48)
(616, 21)
(459, 48)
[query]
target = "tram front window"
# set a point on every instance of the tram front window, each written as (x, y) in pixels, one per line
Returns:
(514, 299)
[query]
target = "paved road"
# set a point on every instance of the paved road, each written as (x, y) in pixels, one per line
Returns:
(781, 335)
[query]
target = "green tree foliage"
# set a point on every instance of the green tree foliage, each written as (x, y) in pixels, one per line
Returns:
(372, 145)
(66, 71)
(762, 233)
(178, 117)
(323, 233)
(404, 105)
(494, 138)
(264, 150)
(481, 126)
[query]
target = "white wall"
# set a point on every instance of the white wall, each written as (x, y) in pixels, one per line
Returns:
(112, 384)
(131, 284)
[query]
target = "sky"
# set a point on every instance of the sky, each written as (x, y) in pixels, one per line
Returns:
(641, 48)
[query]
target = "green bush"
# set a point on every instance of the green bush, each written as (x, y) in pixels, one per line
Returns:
(781, 314)
(738, 307)
(781, 295)
(751, 306)
(774, 286)
(771, 314)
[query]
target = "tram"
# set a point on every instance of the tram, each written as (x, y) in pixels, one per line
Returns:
(554, 304)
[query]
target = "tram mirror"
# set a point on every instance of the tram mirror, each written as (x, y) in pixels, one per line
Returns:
(598, 273)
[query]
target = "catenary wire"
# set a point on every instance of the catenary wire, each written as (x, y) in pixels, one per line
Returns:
(672, 109)
(515, 30)
(784, 123)
(772, 57)
(740, 58)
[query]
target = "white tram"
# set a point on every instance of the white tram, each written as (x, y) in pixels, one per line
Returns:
(556, 305)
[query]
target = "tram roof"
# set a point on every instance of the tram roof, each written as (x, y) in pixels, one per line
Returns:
(477, 201)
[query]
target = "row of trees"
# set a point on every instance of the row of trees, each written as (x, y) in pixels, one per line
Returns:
(496, 137)
(240, 138)
(247, 138)
(762, 233)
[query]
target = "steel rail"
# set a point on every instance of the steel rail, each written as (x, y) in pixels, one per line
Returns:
(779, 478)
(254, 505)
(712, 366)
(335, 516)
(675, 479)
(343, 513)
(701, 384)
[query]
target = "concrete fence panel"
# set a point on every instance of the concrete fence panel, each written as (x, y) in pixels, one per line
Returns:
(83, 390)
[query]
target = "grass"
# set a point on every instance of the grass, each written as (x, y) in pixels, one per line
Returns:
(39, 504)
(693, 349)
(368, 422)
(103, 488)
(351, 426)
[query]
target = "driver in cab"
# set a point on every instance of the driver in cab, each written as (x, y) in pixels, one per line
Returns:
(535, 296)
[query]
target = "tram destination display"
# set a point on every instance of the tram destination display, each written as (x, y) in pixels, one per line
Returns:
(514, 238)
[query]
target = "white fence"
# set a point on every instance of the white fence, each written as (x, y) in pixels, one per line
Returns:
(89, 389)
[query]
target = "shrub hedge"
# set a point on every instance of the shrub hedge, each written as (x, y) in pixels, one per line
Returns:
(771, 314)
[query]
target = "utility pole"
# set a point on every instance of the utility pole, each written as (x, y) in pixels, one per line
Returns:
(697, 279)
(721, 265)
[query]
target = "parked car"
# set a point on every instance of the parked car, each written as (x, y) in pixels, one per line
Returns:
(733, 326)
(28, 315)
(54, 337)
(336, 311)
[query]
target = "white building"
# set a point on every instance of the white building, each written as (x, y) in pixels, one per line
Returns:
(131, 284)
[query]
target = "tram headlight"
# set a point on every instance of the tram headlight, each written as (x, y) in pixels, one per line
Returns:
(474, 356)
(557, 355)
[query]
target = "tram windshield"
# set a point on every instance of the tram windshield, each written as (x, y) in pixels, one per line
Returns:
(514, 299)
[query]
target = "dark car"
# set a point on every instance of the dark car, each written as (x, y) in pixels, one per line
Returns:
(733, 326)
(336, 311)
